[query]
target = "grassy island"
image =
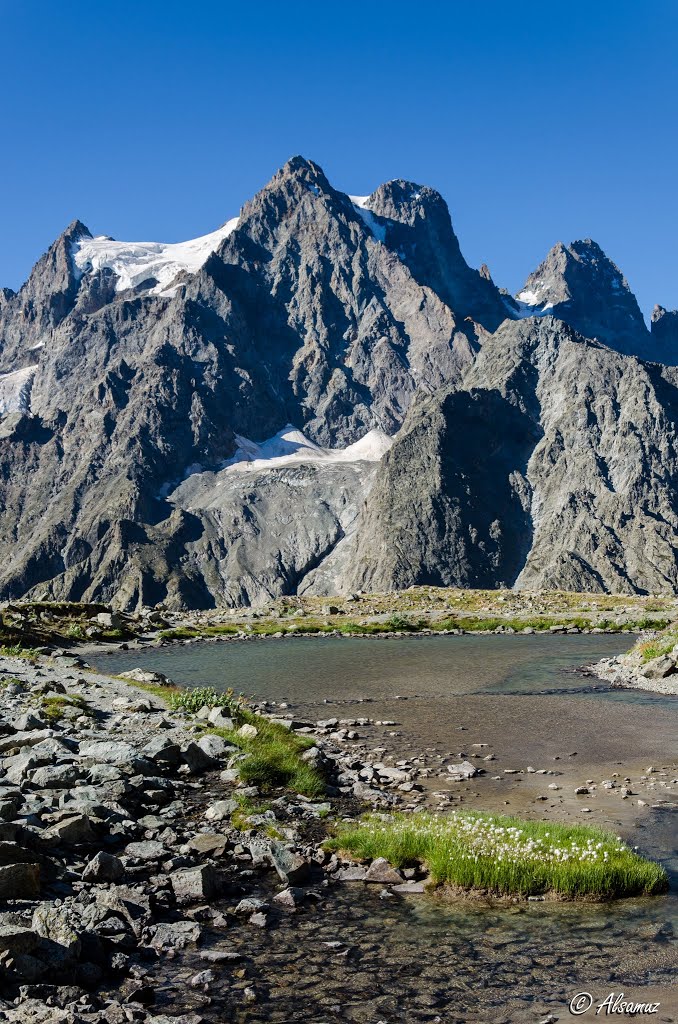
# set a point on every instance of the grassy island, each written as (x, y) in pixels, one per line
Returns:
(505, 855)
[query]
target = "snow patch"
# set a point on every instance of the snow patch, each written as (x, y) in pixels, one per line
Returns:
(136, 262)
(15, 390)
(290, 447)
(374, 226)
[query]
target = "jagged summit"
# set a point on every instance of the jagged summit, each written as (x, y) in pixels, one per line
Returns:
(443, 431)
(579, 284)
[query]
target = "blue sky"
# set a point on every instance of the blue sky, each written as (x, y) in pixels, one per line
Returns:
(538, 122)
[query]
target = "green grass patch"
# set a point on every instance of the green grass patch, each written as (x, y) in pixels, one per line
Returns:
(18, 651)
(272, 758)
(505, 855)
(12, 680)
(55, 708)
(180, 633)
(658, 645)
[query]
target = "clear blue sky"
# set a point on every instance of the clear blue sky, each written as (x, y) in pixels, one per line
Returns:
(156, 119)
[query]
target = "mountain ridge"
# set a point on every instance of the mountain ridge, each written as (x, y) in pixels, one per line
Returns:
(121, 406)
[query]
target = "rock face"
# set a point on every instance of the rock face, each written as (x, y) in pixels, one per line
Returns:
(554, 465)
(135, 379)
(580, 285)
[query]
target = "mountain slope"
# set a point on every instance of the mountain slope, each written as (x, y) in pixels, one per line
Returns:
(555, 466)
(133, 374)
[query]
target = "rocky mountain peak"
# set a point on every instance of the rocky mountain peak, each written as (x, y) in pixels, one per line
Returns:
(664, 330)
(579, 283)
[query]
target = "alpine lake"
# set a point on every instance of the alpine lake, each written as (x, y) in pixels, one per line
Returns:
(359, 956)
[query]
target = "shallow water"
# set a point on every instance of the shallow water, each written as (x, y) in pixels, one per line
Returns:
(413, 959)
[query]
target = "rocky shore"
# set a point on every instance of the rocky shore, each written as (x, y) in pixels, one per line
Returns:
(658, 675)
(139, 875)
(119, 850)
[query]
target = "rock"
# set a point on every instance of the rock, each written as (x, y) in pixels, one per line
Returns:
(29, 721)
(148, 849)
(291, 897)
(199, 883)
(229, 775)
(202, 979)
(221, 809)
(381, 871)
(140, 675)
(103, 867)
(250, 905)
(162, 750)
(580, 790)
(659, 668)
(16, 938)
(176, 935)
(215, 746)
(55, 924)
(220, 718)
(108, 751)
(57, 776)
(108, 620)
(291, 867)
(247, 731)
(464, 770)
(213, 844)
(352, 873)
(197, 759)
(19, 881)
(73, 831)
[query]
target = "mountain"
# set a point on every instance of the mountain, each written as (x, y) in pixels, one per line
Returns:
(406, 401)
(579, 284)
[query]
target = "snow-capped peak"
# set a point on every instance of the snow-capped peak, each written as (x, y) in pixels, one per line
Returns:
(137, 262)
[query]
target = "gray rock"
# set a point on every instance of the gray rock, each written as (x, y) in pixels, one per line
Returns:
(176, 935)
(381, 871)
(108, 752)
(221, 810)
(659, 668)
(461, 771)
(56, 924)
(291, 867)
(72, 831)
(16, 938)
(103, 867)
(147, 849)
(19, 881)
(199, 883)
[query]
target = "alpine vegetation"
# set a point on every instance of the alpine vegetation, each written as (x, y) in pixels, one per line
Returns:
(506, 856)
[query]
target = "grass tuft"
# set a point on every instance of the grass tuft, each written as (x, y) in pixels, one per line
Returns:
(55, 708)
(506, 855)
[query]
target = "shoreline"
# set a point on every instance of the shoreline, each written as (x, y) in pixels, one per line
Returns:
(124, 774)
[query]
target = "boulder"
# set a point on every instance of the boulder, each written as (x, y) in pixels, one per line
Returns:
(220, 718)
(19, 881)
(103, 867)
(72, 831)
(162, 750)
(177, 935)
(108, 751)
(56, 776)
(291, 867)
(15, 937)
(659, 668)
(247, 731)
(147, 849)
(197, 759)
(380, 871)
(221, 809)
(56, 924)
(464, 770)
(199, 883)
